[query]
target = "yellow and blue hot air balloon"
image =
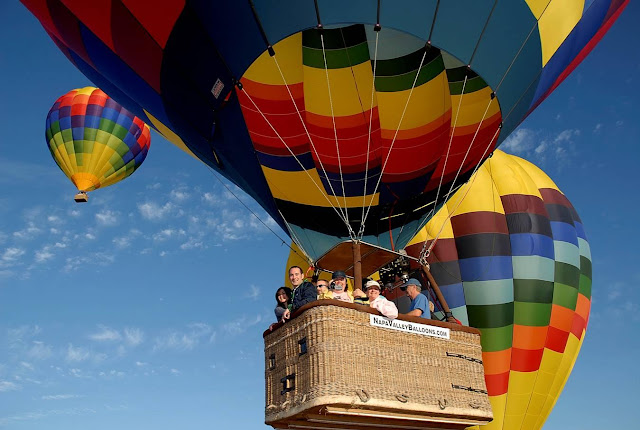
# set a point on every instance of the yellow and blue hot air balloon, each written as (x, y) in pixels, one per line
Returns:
(95, 141)
(512, 259)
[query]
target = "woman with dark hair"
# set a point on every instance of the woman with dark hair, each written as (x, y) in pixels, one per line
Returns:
(283, 300)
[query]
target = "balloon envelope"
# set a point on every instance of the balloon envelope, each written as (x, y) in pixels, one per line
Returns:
(95, 141)
(340, 120)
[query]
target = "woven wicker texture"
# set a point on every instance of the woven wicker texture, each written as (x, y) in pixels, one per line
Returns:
(351, 363)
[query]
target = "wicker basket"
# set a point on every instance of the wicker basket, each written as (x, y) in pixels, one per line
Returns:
(329, 367)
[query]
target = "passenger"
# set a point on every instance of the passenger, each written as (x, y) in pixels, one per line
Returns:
(303, 291)
(420, 305)
(380, 303)
(339, 282)
(322, 287)
(283, 300)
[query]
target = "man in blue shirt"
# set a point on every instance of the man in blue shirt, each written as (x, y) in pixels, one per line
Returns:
(420, 305)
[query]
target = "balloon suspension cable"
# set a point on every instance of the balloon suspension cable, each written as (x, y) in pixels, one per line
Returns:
(335, 129)
(373, 90)
(426, 251)
(446, 158)
(296, 239)
(404, 111)
(324, 194)
(215, 175)
(306, 130)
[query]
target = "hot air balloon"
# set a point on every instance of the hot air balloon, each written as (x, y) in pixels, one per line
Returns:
(344, 120)
(95, 141)
(350, 123)
(511, 258)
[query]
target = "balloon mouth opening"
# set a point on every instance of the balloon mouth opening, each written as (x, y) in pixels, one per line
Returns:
(85, 182)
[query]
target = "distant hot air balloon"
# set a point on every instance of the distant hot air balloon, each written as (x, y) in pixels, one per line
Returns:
(345, 120)
(512, 260)
(95, 141)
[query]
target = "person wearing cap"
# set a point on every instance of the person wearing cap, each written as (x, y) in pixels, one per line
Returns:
(339, 283)
(303, 291)
(420, 305)
(380, 303)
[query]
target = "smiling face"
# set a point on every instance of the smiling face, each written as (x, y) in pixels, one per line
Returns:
(295, 276)
(282, 296)
(373, 293)
(339, 283)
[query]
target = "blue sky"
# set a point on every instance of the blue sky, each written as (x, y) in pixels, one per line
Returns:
(145, 308)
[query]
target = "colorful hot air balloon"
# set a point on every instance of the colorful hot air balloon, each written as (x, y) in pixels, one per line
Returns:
(355, 119)
(512, 259)
(95, 141)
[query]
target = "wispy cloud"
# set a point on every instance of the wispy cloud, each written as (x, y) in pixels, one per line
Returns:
(61, 396)
(8, 386)
(105, 334)
(107, 218)
(29, 232)
(153, 211)
(185, 340)
(133, 336)
(520, 142)
(241, 325)
(41, 415)
(92, 259)
(254, 292)
(39, 351)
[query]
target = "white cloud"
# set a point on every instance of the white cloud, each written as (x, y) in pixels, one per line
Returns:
(77, 354)
(141, 364)
(93, 259)
(153, 211)
(107, 218)
(167, 233)
(61, 396)
(122, 242)
(192, 243)
(11, 255)
(8, 386)
(39, 351)
(240, 325)
(175, 372)
(28, 233)
(53, 219)
(519, 142)
(106, 334)
(133, 336)
(44, 254)
(597, 128)
(89, 236)
(40, 415)
(254, 292)
(184, 341)
(619, 123)
(179, 195)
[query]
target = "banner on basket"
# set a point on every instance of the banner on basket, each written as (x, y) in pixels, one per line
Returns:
(410, 327)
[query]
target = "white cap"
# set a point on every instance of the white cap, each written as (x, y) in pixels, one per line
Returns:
(372, 284)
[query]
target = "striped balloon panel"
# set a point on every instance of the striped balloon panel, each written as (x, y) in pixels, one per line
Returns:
(95, 141)
(512, 259)
(325, 130)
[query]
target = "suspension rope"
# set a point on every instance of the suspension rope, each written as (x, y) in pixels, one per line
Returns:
(306, 130)
(335, 134)
(427, 251)
(296, 158)
(366, 172)
(215, 175)
(446, 158)
(404, 111)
